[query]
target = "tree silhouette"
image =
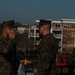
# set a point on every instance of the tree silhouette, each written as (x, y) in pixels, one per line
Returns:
(23, 42)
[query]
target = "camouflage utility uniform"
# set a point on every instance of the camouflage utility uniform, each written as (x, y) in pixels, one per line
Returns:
(47, 55)
(6, 57)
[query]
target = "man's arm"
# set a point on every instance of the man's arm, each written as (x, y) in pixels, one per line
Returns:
(44, 60)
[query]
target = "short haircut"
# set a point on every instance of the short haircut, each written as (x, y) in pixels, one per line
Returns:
(8, 24)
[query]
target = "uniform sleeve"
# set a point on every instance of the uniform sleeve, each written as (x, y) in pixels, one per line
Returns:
(44, 62)
(4, 47)
(5, 67)
(45, 53)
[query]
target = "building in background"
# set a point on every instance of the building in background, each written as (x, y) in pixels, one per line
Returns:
(34, 35)
(68, 34)
(21, 28)
(56, 30)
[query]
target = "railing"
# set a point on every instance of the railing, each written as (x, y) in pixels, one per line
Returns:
(57, 28)
(57, 35)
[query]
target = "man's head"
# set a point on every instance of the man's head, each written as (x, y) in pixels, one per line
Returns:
(8, 29)
(44, 27)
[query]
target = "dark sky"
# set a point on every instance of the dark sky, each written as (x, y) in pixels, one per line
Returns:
(28, 11)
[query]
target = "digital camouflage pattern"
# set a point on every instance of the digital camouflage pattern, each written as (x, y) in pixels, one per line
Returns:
(5, 66)
(47, 51)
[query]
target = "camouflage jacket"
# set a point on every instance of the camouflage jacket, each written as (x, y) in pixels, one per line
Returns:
(47, 51)
(6, 57)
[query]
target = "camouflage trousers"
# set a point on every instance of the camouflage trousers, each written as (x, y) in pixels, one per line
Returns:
(5, 67)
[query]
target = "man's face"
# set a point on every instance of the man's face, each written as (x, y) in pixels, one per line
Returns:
(11, 33)
(41, 29)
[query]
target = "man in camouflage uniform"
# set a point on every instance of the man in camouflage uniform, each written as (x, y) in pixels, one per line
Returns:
(47, 50)
(7, 48)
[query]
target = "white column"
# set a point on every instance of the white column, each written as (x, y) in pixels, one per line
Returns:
(29, 32)
(51, 30)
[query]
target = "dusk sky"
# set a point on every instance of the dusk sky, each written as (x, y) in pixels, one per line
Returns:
(28, 11)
